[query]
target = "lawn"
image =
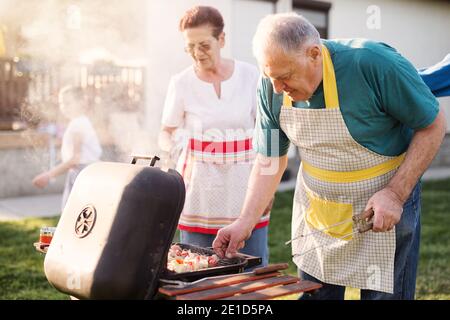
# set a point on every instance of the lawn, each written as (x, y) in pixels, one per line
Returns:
(21, 267)
(22, 275)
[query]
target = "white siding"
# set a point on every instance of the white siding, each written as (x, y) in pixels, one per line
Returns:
(245, 18)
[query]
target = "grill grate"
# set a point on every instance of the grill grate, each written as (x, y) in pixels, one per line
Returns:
(224, 266)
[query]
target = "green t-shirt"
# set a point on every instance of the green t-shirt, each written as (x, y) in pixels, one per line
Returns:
(382, 98)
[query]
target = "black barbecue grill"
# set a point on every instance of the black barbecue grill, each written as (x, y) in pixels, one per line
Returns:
(115, 232)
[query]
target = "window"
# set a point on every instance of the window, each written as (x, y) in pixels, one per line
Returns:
(316, 12)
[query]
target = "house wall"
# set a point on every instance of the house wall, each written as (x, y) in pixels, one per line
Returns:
(417, 29)
(23, 155)
(246, 15)
(21, 159)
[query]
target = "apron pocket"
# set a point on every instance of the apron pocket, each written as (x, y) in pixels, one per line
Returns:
(324, 213)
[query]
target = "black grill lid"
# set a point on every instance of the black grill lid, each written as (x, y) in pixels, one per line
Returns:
(114, 234)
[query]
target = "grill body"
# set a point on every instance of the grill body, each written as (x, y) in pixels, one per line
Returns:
(113, 236)
(224, 266)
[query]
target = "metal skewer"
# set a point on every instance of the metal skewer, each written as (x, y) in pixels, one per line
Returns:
(325, 244)
(319, 230)
(362, 221)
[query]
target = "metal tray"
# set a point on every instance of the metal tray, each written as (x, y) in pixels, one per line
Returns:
(225, 266)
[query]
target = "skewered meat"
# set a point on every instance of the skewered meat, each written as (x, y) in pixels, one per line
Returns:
(182, 260)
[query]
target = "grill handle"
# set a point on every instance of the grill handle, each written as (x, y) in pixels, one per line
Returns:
(152, 159)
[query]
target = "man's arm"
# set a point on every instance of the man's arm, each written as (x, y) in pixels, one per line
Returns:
(388, 202)
(263, 182)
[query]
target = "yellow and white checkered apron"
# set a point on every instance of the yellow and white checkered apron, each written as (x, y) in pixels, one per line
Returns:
(337, 177)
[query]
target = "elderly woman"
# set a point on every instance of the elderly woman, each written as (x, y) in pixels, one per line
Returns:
(213, 102)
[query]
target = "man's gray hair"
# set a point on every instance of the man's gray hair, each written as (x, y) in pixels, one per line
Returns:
(286, 32)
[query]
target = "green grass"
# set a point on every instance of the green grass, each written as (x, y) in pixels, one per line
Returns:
(21, 266)
(22, 275)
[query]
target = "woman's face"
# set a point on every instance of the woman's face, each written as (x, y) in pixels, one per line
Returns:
(203, 47)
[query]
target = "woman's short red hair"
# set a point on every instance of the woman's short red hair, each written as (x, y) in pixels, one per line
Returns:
(200, 16)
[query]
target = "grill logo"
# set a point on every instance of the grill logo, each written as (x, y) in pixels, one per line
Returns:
(85, 221)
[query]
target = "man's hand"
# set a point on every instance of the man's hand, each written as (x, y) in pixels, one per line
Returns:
(232, 238)
(388, 209)
(262, 185)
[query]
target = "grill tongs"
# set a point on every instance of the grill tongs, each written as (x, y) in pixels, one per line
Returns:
(257, 271)
(363, 222)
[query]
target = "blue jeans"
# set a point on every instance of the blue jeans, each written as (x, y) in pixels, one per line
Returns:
(256, 245)
(407, 238)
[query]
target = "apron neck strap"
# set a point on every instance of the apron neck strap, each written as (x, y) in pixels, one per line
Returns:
(329, 83)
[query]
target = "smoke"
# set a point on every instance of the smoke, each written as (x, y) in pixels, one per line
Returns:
(62, 29)
(92, 43)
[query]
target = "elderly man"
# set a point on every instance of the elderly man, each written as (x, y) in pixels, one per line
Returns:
(366, 127)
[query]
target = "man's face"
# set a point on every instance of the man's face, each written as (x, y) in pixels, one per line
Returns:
(296, 74)
(202, 46)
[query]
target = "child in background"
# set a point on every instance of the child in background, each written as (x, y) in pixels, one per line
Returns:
(80, 144)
